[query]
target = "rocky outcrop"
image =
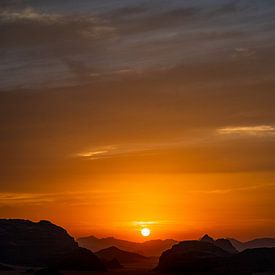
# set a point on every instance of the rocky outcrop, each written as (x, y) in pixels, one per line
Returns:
(112, 264)
(222, 243)
(23, 242)
(207, 238)
(226, 245)
(257, 260)
(194, 257)
(80, 259)
(190, 256)
(44, 244)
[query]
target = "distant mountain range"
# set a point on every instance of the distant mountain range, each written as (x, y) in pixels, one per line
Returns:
(256, 243)
(43, 244)
(111, 253)
(152, 248)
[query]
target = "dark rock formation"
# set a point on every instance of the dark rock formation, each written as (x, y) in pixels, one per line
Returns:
(190, 256)
(255, 260)
(24, 242)
(226, 245)
(148, 248)
(112, 264)
(193, 257)
(43, 244)
(222, 243)
(207, 239)
(80, 259)
(122, 256)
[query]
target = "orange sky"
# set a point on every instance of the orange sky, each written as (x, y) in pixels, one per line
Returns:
(172, 205)
(111, 119)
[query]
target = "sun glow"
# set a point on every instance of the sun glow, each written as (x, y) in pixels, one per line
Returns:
(145, 232)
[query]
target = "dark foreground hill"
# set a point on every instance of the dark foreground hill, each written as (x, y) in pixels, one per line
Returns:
(148, 248)
(191, 257)
(23, 242)
(122, 256)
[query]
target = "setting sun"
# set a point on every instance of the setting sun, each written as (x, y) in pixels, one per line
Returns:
(145, 232)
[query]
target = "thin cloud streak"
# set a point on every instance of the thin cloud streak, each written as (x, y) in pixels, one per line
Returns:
(237, 189)
(259, 130)
(204, 137)
(71, 198)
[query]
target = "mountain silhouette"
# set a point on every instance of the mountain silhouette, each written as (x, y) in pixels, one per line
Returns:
(193, 257)
(256, 243)
(222, 243)
(207, 238)
(28, 243)
(80, 259)
(112, 264)
(148, 248)
(122, 256)
(190, 256)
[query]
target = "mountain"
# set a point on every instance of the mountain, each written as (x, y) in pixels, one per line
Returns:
(80, 259)
(122, 256)
(192, 257)
(222, 243)
(112, 264)
(256, 243)
(148, 248)
(207, 239)
(28, 243)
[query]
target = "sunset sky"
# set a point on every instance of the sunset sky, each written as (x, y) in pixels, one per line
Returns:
(119, 114)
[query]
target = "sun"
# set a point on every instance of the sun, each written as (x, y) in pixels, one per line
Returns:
(145, 232)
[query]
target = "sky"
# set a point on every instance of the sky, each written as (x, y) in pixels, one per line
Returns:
(121, 114)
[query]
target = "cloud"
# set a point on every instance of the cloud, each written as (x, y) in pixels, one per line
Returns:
(29, 27)
(68, 198)
(9, 198)
(236, 189)
(109, 151)
(92, 154)
(259, 130)
(28, 14)
(243, 52)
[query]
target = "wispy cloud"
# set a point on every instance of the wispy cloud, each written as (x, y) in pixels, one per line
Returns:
(144, 223)
(87, 26)
(69, 198)
(124, 149)
(7, 198)
(29, 14)
(235, 189)
(258, 130)
(108, 151)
